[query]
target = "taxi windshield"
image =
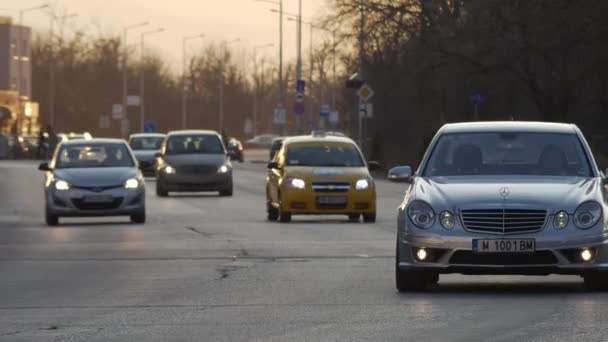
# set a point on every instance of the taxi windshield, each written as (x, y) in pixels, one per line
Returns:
(339, 155)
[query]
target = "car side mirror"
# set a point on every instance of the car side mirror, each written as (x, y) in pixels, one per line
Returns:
(273, 165)
(44, 167)
(373, 165)
(402, 174)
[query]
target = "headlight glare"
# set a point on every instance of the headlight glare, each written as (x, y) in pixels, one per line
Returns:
(446, 218)
(169, 170)
(587, 215)
(362, 184)
(296, 183)
(560, 221)
(132, 183)
(223, 169)
(62, 185)
(421, 214)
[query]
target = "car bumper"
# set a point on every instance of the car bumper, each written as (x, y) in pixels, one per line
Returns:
(304, 202)
(194, 183)
(454, 254)
(72, 202)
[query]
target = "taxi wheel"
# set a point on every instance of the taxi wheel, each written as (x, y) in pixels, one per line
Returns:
(353, 217)
(284, 216)
(596, 281)
(369, 218)
(272, 213)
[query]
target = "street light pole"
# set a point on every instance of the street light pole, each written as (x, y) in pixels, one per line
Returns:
(52, 63)
(221, 90)
(142, 107)
(124, 69)
(184, 91)
(256, 83)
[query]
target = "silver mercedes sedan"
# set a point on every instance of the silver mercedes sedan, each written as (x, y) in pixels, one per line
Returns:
(503, 198)
(97, 177)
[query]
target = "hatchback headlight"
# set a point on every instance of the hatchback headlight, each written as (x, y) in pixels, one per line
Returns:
(296, 183)
(223, 169)
(587, 215)
(560, 221)
(62, 185)
(446, 218)
(362, 184)
(169, 170)
(421, 214)
(132, 183)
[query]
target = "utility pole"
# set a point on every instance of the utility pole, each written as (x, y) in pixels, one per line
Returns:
(361, 127)
(221, 87)
(299, 60)
(52, 61)
(124, 70)
(256, 84)
(142, 107)
(184, 90)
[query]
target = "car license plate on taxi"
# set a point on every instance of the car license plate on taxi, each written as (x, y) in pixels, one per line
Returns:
(504, 246)
(98, 199)
(331, 199)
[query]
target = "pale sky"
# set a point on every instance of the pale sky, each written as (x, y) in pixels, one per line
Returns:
(248, 20)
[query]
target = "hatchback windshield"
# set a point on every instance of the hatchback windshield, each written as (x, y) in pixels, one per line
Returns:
(146, 143)
(512, 153)
(93, 155)
(344, 155)
(195, 144)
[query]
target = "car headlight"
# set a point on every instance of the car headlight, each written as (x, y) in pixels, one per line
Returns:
(132, 183)
(446, 218)
(362, 184)
(421, 214)
(223, 169)
(296, 183)
(62, 185)
(587, 215)
(560, 221)
(169, 170)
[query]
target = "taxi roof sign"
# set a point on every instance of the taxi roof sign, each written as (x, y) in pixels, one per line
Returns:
(365, 92)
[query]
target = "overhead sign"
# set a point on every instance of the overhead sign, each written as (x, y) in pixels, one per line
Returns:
(300, 86)
(248, 126)
(133, 101)
(280, 115)
(117, 111)
(149, 126)
(325, 111)
(104, 121)
(299, 108)
(334, 117)
(365, 92)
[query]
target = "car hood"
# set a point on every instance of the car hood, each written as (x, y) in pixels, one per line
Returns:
(559, 193)
(145, 155)
(320, 173)
(195, 159)
(87, 177)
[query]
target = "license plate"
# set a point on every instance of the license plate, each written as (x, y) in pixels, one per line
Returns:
(98, 199)
(331, 200)
(509, 246)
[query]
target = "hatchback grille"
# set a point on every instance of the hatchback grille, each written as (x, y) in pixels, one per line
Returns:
(503, 221)
(331, 186)
(197, 169)
(82, 205)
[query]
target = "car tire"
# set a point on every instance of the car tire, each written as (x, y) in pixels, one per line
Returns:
(272, 213)
(51, 220)
(284, 216)
(596, 281)
(413, 280)
(139, 217)
(353, 218)
(369, 218)
(160, 189)
(227, 192)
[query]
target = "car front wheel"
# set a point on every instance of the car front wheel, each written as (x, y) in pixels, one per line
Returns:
(369, 218)
(596, 281)
(51, 220)
(139, 217)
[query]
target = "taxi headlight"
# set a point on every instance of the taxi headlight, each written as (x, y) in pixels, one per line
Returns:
(62, 185)
(560, 221)
(132, 183)
(421, 214)
(362, 184)
(169, 170)
(296, 183)
(223, 169)
(446, 218)
(587, 215)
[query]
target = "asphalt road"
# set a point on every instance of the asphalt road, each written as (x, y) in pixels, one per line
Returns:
(206, 268)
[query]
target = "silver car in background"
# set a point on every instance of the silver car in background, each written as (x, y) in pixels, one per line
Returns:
(145, 146)
(503, 198)
(193, 161)
(98, 177)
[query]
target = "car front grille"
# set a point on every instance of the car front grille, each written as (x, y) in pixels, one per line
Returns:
(98, 188)
(503, 221)
(197, 170)
(82, 205)
(331, 186)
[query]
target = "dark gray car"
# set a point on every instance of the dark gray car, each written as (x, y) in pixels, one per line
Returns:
(98, 177)
(193, 161)
(145, 146)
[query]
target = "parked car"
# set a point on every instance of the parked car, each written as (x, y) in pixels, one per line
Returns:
(503, 198)
(98, 177)
(145, 146)
(262, 141)
(193, 161)
(235, 150)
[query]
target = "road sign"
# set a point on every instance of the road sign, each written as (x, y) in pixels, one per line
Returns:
(334, 117)
(300, 86)
(104, 121)
(366, 110)
(299, 108)
(149, 126)
(133, 101)
(117, 111)
(365, 92)
(248, 126)
(325, 111)
(280, 115)
(476, 98)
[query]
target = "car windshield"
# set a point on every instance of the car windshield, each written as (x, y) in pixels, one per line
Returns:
(508, 153)
(343, 155)
(93, 155)
(195, 144)
(146, 143)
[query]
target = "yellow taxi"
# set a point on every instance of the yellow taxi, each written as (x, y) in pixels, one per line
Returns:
(320, 174)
